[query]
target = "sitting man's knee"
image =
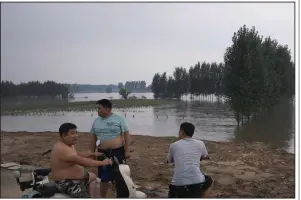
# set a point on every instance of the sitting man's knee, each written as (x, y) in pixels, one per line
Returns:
(92, 176)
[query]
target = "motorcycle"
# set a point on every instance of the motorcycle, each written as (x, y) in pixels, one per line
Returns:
(40, 184)
(43, 188)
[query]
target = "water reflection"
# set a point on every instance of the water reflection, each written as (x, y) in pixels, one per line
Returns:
(213, 121)
(275, 129)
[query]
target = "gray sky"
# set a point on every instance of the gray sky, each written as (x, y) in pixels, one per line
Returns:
(102, 43)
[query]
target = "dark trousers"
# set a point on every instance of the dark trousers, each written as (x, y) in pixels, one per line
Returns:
(189, 191)
(104, 172)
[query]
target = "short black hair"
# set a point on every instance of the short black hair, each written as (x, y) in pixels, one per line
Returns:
(64, 128)
(188, 128)
(105, 103)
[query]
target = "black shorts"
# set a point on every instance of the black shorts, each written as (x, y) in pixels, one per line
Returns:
(104, 173)
(190, 191)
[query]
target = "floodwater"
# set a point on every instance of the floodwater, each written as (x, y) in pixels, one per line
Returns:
(214, 121)
(98, 96)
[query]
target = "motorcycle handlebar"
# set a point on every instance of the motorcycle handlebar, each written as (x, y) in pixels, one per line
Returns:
(205, 158)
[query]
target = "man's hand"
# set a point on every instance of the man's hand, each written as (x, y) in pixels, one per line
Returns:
(127, 154)
(107, 162)
(205, 158)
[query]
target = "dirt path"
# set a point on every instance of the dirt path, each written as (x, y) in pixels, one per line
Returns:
(239, 170)
(9, 187)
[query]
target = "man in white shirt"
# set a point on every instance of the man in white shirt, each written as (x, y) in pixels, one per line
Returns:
(188, 180)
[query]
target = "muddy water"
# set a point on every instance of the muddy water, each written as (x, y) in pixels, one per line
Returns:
(213, 122)
(97, 96)
(114, 95)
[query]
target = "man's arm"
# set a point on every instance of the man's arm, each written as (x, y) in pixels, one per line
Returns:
(127, 139)
(126, 134)
(73, 157)
(85, 154)
(170, 155)
(204, 152)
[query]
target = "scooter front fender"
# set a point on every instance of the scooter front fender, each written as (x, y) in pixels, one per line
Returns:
(60, 196)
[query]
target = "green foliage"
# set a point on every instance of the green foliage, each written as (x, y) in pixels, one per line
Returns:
(124, 93)
(34, 89)
(256, 75)
(139, 86)
(205, 79)
(19, 109)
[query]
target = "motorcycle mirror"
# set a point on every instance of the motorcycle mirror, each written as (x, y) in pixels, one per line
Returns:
(115, 160)
(17, 174)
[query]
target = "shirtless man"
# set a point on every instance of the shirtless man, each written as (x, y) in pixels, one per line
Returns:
(67, 165)
(113, 133)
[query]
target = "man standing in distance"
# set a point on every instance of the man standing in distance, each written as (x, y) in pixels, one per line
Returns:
(113, 133)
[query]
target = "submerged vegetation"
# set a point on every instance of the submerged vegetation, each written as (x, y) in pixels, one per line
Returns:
(79, 106)
(257, 74)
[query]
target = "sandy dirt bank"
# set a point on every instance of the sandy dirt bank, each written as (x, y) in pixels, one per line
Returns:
(239, 170)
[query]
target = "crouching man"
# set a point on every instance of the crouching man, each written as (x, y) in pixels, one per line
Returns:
(67, 165)
(188, 180)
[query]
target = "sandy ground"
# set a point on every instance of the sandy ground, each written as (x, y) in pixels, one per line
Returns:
(9, 187)
(239, 170)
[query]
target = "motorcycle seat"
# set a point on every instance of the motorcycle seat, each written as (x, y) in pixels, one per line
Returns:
(48, 190)
(42, 172)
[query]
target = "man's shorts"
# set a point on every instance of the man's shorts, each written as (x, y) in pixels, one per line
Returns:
(104, 172)
(74, 188)
(190, 191)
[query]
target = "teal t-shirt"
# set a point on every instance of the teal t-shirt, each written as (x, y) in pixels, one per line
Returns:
(109, 128)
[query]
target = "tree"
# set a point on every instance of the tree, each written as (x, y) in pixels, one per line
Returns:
(34, 89)
(163, 85)
(155, 85)
(170, 88)
(124, 93)
(242, 67)
(256, 75)
(180, 82)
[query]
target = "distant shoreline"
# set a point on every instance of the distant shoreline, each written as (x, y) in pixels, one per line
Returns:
(80, 106)
(114, 92)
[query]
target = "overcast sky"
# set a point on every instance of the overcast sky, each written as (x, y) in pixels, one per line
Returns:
(102, 43)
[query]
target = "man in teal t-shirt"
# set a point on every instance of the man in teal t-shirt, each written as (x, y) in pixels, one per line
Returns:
(113, 133)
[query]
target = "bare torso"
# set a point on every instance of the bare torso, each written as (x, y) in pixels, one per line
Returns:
(62, 170)
(113, 143)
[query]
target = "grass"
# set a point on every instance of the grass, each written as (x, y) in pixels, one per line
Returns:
(81, 106)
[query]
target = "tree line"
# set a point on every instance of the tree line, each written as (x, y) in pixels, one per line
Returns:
(34, 89)
(201, 79)
(257, 74)
(133, 86)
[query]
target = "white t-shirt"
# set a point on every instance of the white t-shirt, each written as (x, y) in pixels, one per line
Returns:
(186, 154)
